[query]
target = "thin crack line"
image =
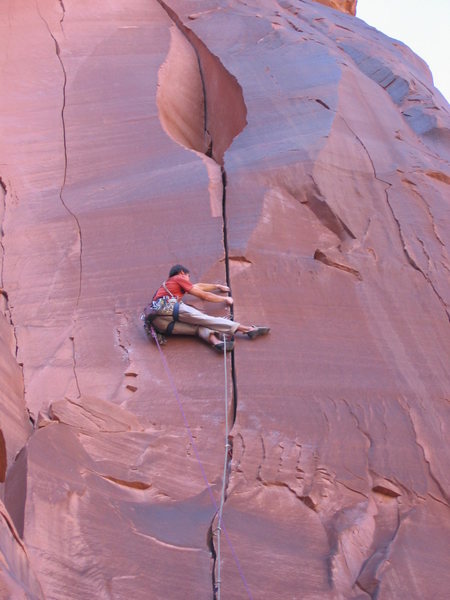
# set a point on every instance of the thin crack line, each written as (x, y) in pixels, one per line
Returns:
(234, 398)
(74, 366)
(64, 135)
(433, 497)
(3, 194)
(409, 258)
(3, 291)
(61, 21)
(364, 433)
(412, 262)
(407, 409)
(63, 183)
(431, 216)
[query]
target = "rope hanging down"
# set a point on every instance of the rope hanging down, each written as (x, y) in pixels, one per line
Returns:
(221, 525)
(225, 468)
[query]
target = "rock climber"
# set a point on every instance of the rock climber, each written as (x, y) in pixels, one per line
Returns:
(167, 318)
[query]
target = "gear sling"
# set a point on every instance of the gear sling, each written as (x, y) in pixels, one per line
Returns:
(164, 306)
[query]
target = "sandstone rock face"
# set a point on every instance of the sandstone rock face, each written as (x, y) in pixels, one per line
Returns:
(302, 156)
(347, 6)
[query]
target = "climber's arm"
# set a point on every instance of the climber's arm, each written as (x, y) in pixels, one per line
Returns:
(197, 291)
(212, 287)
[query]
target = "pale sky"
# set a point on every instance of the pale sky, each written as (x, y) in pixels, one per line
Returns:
(423, 25)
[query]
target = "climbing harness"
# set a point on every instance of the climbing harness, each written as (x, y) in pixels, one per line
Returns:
(175, 311)
(219, 509)
(166, 306)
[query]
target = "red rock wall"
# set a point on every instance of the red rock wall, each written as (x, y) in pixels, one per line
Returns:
(121, 125)
(346, 6)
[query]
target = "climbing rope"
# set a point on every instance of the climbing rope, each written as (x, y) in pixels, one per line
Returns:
(225, 468)
(219, 509)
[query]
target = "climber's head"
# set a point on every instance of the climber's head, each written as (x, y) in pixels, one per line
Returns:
(177, 269)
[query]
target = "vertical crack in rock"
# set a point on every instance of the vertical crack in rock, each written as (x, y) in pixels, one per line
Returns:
(64, 178)
(3, 458)
(200, 103)
(201, 107)
(363, 432)
(64, 137)
(212, 549)
(3, 194)
(213, 528)
(3, 292)
(228, 279)
(408, 256)
(74, 366)
(63, 8)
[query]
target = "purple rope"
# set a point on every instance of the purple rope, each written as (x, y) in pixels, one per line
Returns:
(191, 437)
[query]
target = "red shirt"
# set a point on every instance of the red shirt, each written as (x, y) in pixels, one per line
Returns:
(177, 285)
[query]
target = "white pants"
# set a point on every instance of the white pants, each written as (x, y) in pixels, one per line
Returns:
(193, 322)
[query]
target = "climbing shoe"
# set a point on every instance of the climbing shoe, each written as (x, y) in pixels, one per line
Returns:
(257, 331)
(219, 347)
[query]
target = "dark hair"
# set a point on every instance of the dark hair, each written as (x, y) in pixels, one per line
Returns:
(177, 269)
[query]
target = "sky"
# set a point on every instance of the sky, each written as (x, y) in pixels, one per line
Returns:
(423, 25)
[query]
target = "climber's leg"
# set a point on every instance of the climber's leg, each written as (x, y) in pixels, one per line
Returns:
(189, 314)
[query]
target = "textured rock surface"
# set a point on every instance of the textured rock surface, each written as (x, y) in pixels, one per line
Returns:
(121, 124)
(347, 6)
